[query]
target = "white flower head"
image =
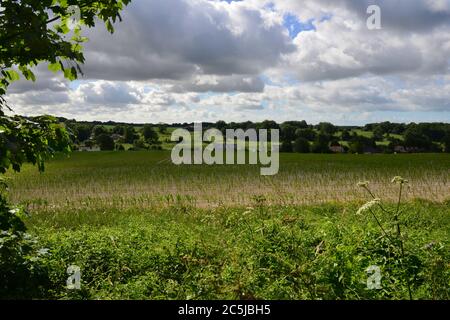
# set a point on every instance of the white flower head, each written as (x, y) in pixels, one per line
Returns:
(399, 180)
(363, 184)
(368, 205)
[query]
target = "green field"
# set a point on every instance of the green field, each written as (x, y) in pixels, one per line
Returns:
(140, 227)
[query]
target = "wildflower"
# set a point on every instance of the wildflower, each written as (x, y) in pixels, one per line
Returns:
(430, 245)
(43, 251)
(399, 180)
(368, 205)
(363, 184)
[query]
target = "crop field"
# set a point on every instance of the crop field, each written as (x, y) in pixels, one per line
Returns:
(140, 227)
(146, 179)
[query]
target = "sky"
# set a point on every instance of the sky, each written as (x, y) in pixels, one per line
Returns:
(207, 60)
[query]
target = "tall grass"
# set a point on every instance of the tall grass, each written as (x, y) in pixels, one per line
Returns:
(145, 179)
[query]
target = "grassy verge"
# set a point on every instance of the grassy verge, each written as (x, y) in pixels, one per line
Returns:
(260, 252)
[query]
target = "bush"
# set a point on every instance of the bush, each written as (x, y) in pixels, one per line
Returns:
(22, 275)
(105, 142)
(286, 146)
(301, 145)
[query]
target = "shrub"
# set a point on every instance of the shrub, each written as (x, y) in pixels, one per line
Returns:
(22, 274)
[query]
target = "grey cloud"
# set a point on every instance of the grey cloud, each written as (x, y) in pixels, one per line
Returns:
(223, 84)
(45, 80)
(41, 98)
(108, 94)
(173, 39)
(406, 15)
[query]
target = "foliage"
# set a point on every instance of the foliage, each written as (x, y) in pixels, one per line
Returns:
(32, 31)
(321, 144)
(140, 239)
(301, 145)
(149, 134)
(22, 273)
(30, 140)
(105, 142)
(98, 130)
(286, 147)
(395, 244)
(269, 252)
(130, 134)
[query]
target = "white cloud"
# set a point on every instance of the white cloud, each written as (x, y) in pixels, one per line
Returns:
(205, 60)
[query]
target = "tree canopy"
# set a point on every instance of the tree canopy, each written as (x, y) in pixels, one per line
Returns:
(36, 31)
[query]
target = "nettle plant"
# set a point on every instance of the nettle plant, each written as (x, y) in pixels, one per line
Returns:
(393, 234)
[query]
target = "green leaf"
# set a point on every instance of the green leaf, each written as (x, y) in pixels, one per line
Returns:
(54, 67)
(12, 75)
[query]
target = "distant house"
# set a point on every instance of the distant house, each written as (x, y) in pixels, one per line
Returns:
(337, 149)
(400, 149)
(414, 149)
(89, 148)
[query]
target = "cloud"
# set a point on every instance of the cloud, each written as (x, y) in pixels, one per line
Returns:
(343, 47)
(221, 84)
(175, 39)
(400, 15)
(205, 60)
(107, 93)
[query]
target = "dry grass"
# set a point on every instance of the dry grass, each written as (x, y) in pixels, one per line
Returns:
(147, 179)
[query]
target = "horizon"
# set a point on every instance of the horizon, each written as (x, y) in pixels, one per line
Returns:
(243, 121)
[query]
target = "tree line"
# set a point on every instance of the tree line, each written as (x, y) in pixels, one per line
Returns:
(295, 136)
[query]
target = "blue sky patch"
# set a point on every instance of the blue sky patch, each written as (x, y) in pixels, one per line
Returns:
(295, 26)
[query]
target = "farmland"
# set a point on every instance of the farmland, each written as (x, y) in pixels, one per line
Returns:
(140, 227)
(144, 179)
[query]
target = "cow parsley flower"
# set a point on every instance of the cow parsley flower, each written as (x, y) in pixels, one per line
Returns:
(368, 205)
(399, 180)
(363, 184)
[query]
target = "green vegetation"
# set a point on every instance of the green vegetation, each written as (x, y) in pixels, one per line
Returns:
(276, 252)
(142, 228)
(34, 32)
(296, 136)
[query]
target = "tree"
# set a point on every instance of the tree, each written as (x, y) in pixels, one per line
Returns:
(83, 132)
(286, 147)
(268, 125)
(446, 141)
(321, 144)
(162, 128)
(98, 130)
(150, 134)
(308, 134)
(301, 145)
(327, 128)
(139, 144)
(119, 130)
(105, 142)
(287, 133)
(130, 134)
(358, 144)
(345, 135)
(414, 138)
(378, 133)
(221, 125)
(34, 32)
(356, 147)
